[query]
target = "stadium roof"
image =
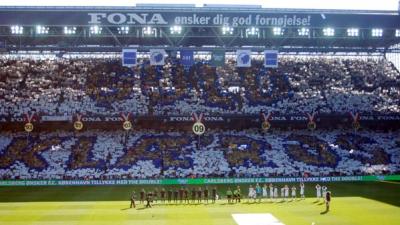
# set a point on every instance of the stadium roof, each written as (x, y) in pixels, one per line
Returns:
(184, 25)
(205, 7)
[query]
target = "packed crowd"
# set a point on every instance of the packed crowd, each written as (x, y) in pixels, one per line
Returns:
(151, 154)
(102, 86)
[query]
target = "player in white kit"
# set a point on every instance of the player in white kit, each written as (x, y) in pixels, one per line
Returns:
(318, 188)
(324, 190)
(293, 193)
(276, 193)
(265, 191)
(302, 190)
(286, 192)
(250, 194)
(271, 191)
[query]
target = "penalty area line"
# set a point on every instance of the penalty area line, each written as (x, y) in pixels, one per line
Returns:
(256, 219)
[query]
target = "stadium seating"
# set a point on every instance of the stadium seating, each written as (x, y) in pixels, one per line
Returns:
(103, 86)
(151, 154)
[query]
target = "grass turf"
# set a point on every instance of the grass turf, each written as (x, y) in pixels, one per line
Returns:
(359, 203)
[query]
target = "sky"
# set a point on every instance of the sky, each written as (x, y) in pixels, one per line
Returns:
(309, 4)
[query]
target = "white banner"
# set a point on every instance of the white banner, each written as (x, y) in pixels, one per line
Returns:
(243, 58)
(157, 57)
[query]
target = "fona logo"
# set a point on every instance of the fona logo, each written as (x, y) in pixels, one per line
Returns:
(157, 56)
(244, 57)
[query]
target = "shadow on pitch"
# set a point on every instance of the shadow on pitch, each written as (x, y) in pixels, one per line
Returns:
(226, 203)
(250, 203)
(324, 212)
(281, 201)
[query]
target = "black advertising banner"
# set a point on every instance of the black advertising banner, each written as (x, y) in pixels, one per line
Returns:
(202, 17)
(275, 117)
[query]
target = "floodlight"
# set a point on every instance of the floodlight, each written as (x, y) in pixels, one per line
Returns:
(16, 29)
(277, 31)
(328, 31)
(123, 30)
(69, 30)
(95, 29)
(175, 29)
(253, 31)
(42, 29)
(226, 30)
(376, 32)
(352, 32)
(303, 31)
(148, 31)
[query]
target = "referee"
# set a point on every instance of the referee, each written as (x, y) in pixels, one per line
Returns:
(327, 200)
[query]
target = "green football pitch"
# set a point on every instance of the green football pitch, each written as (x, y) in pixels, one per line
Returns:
(361, 203)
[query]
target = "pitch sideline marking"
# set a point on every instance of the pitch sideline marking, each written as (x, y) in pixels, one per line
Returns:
(256, 219)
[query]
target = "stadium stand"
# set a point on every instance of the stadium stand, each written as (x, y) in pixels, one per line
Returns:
(151, 154)
(103, 87)
(59, 65)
